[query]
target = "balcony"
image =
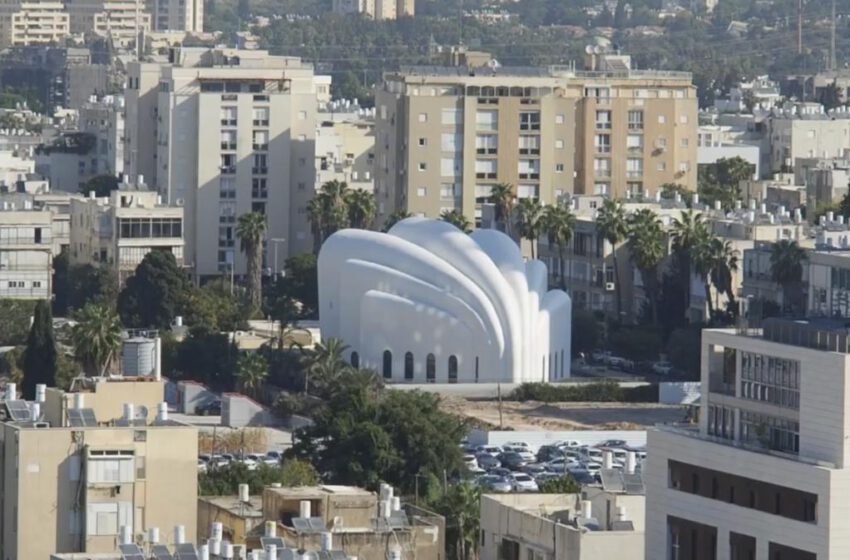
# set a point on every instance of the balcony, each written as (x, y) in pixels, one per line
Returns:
(228, 122)
(227, 169)
(259, 170)
(259, 122)
(230, 146)
(529, 175)
(260, 147)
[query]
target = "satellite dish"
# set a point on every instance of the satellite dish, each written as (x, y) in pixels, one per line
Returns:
(588, 49)
(141, 412)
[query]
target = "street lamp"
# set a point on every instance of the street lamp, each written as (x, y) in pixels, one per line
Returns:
(275, 241)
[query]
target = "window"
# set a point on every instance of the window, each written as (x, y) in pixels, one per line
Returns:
(601, 188)
(421, 191)
(559, 119)
(559, 144)
(261, 164)
(228, 139)
(143, 228)
(228, 116)
(302, 115)
(634, 142)
(453, 379)
(110, 469)
(599, 93)
(768, 379)
(602, 143)
(603, 120)
(451, 167)
(228, 163)
(423, 117)
(452, 116)
(261, 116)
(635, 120)
(487, 120)
(635, 189)
(661, 166)
(431, 369)
(423, 166)
(529, 169)
(105, 518)
(261, 140)
(486, 144)
(485, 168)
(684, 142)
(448, 190)
(451, 142)
(662, 119)
(408, 365)
(602, 167)
(388, 364)
(683, 119)
(227, 187)
(529, 145)
(527, 191)
(259, 187)
(423, 141)
(684, 167)
(634, 168)
(529, 120)
(559, 168)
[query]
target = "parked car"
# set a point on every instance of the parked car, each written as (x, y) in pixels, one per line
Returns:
(612, 443)
(562, 465)
(252, 461)
(548, 453)
(494, 483)
(591, 453)
(218, 461)
(592, 467)
(662, 368)
(523, 452)
(516, 444)
(583, 477)
(487, 461)
(493, 450)
(472, 464)
(523, 483)
(512, 460)
(568, 444)
(209, 408)
(600, 356)
(534, 469)
(544, 476)
(500, 471)
(273, 457)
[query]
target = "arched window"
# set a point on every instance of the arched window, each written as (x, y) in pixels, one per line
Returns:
(431, 368)
(452, 369)
(355, 360)
(388, 364)
(408, 365)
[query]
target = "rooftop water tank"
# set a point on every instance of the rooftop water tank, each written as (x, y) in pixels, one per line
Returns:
(139, 357)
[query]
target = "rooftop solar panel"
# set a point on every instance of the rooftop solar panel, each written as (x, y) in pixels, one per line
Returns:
(131, 552)
(277, 541)
(161, 552)
(89, 417)
(186, 551)
(301, 524)
(317, 525)
(19, 411)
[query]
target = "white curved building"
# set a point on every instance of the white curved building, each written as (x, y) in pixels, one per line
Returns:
(429, 303)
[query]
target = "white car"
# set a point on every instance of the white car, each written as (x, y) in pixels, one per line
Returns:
(522, 482)
(493, 450)
(591, 453)
(252, 461)
(472, 464)
(523, 452)
(202, 465)
(592, 467)
(562, 465)
(568, 444)
(662, 368)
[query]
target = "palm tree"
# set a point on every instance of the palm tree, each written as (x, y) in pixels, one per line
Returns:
(559, 224)
(529, 214)
(703, 257)
(502, 196)
(361, 208)
(786, 269)
(460, 506)
(394, 218)
(325, 364)
(250, 230)
(648, 248)
(686, 232)
(315, 213)
(457, 219)
(252, 370)
(612, 225)
(328, 211)
(96, 338)
(725, 263)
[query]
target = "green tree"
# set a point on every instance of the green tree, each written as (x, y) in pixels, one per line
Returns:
(503, 198)
(40, 356)
(687, 231)
(102, 185)
(670, 190)
(207, 357)
(155, 293)
(786, 269)
(648, 248)
(14, 326)
(250, 230)
(225, 481)
(611, 224)
(461, 507)
(97, 338)
(394, 218)
(252, 370)
(328, 211)
(214, 307)
(563, 485)
(529, 221)
(324, 365)
(361, 208)
(457, 219)
(724, 263)
(301, 282)
(559, 225)
(720, 180)
(76, 285)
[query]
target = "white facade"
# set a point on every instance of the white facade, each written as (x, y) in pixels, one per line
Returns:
(765, 475)
(345, 145)
(428, 303)
(26, 254)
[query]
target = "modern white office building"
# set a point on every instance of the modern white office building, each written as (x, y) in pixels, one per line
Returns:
(766, 473)
(224, 132)
(427, 303)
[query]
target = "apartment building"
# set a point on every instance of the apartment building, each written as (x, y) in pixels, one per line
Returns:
(806, 131)
(119, 231)
(446, 135)
(26, 254)
(104, 118)
(345, 147)
(231, 132)
(25, 23)
(80, 481)
(765, 473)
(376, 9)
(69, 161)
(177, 15)
(119, 20)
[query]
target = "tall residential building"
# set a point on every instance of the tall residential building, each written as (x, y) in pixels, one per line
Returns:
(70, 486)
(26, 254)
(105, 119)
(446, 135)
(121, 230)
(177, 15)
(765, 473)
(119, 20)
(224, 132)
(376, 9)
(24, 23)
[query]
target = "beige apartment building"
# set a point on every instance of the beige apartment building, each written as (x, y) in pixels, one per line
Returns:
(120, 20)
(376, 9)
(121, 230)
(446, 135)
(177, 15)
(70, 486)
(26, 254)
(25, 23)
(224, 132)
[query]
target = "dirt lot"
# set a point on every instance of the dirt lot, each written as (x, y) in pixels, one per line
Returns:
(565, 416)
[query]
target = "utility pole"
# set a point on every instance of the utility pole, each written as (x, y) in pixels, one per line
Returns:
(799, 26)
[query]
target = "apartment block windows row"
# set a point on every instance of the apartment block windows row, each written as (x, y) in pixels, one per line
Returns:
(452, 116)
(602, 143)
(529, 169)
(453, 167)
(603, 120)
(261, 140)
(602, 167)
(451, 142)
(529, 120)
(635, 120)
(634, 168)
(229, 116)
(260, 116)
(486, 144)
(228, 140)
(487, 121)
(529, 145)
(770, 432)
(485, 168)
(769, 379)
(227, 187)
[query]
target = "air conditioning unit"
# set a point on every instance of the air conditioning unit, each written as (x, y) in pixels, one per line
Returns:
(609, 286)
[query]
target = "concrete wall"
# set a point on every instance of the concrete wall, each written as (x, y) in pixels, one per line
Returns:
(536, 439)
(193, 394)
(238, 411)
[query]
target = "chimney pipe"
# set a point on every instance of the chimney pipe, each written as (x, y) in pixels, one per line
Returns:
(586, 509)
(216, 531)
(631, 462)
(125, 535)
(157, 366)
(11, 391)
(227, 551)
(40, 392)
(35, 410)
(607, 460)
(244, 493)
(204, 552)
(79, 401)
(162, 412)
(270, 529)
(304, 508)
(153, 535)
(179, 534)
(129, 411)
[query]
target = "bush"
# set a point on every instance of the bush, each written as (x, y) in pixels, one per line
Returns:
(226, 480)
(564, 485)
(605, 391)
(15, 321)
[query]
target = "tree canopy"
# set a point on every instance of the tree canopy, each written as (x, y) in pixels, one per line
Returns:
(40, 356)
(155, 293)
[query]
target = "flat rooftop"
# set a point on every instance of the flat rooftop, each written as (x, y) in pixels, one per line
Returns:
(555, 71)
(299, 492)
(252, 508)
